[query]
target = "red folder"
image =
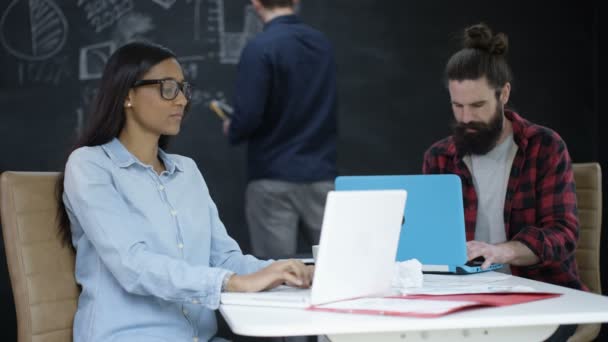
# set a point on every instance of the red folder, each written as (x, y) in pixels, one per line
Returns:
(467, 302)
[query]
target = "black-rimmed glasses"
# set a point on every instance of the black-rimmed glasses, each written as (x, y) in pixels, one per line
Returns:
(169, 88)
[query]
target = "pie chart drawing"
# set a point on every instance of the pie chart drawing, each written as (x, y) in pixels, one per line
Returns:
(33, 30)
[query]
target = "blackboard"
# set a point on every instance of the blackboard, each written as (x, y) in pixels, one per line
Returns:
(390, 56)
(53, 53)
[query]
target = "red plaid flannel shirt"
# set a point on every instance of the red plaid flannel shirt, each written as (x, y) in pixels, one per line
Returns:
(540, 204)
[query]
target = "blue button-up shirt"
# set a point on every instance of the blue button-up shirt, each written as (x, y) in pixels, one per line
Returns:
(286, 103)
(151, 249)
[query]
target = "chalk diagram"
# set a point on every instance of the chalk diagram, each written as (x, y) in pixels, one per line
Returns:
(131, 27)
(232, 43)
(166, 4)
(45, 22)
(93, 59)
(101, 14)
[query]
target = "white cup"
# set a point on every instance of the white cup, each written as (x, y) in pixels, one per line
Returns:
(315, 248)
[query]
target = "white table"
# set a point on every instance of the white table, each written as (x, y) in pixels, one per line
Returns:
(532, 321)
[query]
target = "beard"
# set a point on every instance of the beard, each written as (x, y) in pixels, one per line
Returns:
(483, 139)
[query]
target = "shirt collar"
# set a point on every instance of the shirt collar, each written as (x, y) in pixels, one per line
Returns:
(119, 154)
(283, 19)
(171, 164)
(520, 128)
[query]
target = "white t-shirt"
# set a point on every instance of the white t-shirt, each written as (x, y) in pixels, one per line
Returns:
(490, 177)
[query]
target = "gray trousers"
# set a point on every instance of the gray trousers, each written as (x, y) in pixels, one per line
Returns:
(275, 209)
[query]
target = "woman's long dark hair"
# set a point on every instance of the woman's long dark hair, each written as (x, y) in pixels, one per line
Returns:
(107, 117)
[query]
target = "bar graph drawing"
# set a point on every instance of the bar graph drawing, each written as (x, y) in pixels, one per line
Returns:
(232, 43)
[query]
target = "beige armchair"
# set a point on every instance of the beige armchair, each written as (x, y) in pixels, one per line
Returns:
(41, 269)
(588, 178)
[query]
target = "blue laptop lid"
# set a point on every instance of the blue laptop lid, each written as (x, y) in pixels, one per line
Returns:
(434, 230)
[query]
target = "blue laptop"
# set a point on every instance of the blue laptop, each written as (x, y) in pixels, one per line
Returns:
(434, 228)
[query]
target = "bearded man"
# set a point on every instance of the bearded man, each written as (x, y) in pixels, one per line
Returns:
(518, 185)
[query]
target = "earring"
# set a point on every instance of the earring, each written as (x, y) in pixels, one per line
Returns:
(129, 104)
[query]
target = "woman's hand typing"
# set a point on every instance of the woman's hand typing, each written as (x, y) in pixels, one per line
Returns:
(290, 272)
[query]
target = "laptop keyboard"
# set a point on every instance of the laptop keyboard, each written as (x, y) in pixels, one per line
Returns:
(286, 294)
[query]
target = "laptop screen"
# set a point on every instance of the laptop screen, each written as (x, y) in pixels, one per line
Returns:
(358, 244)
(434, 228)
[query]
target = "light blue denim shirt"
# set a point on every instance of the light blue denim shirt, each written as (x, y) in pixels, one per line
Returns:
(151, 249)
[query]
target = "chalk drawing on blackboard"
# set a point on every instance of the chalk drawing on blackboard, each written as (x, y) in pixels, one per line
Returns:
(232, 43)
(47, 25)
(200, 96)
(132, 27)
(101, 14)
(190, 66)
(50, 71)
(88, 91)
(197, 19)
(93, 58)
(166, 4)
(197, 97)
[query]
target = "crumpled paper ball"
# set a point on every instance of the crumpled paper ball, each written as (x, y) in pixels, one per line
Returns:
(407, 273)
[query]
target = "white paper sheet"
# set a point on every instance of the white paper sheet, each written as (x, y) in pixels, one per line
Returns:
(436, 284)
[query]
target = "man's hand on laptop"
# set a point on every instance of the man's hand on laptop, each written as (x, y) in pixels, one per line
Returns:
(291, 272)
(511, 252)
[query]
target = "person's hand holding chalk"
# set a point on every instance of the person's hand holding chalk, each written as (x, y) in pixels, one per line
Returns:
(222, 109)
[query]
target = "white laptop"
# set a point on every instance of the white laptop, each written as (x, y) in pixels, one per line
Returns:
(356, 254)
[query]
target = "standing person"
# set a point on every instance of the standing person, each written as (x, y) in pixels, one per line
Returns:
(285, 109)
(518, 185)
(152, 255)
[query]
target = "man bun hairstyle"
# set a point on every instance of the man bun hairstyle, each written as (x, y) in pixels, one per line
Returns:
(480, 37)
(483, 55)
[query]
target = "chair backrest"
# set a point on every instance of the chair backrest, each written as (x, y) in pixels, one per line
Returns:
(41, 269)
(588, 178)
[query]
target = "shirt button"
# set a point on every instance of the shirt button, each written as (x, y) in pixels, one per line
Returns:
(195, 301)
(161, 187)
(173, 212)
(181, 245)
(185, 312)
(195, 339)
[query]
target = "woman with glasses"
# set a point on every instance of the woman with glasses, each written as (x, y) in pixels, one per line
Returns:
(152, 255)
